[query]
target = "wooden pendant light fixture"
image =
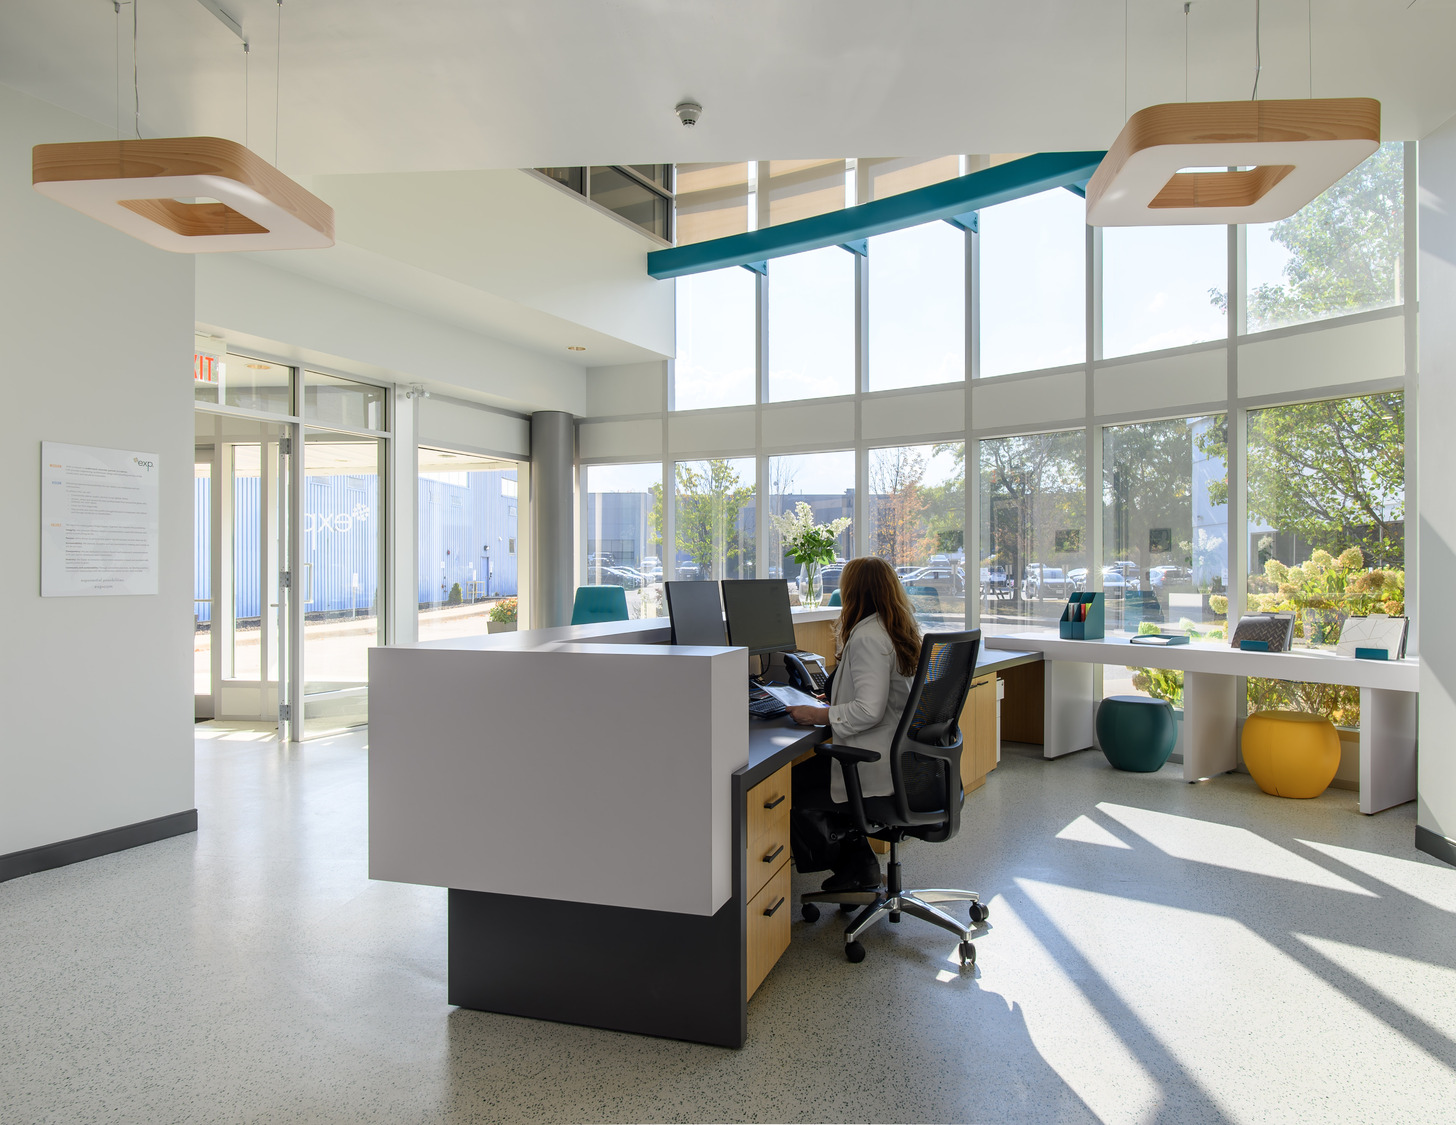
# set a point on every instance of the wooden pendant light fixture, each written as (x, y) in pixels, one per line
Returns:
(190, 195)
(1167, 166)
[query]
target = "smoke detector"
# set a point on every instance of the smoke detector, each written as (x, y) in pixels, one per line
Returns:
(688, 113)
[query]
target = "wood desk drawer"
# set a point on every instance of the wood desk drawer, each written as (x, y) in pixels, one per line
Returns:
(768, 802)
(767, 852)
(769, 914)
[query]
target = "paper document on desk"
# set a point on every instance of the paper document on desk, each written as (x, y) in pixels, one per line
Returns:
(791, 696)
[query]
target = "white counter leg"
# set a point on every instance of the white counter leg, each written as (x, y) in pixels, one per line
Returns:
(1387, 749)
(1067, 708)
(1210, 724)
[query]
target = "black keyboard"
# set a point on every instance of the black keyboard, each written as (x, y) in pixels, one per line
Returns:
(762, 705)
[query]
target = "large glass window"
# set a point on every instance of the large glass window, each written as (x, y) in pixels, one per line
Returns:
(1033, 529)
(917, 307)
(715, 518)
(1033, 283)
(716, 333)
(622, 513)
(331, 401)
(1343, 253)
(811, 325)
(1164, 538)
(1163, 287)
(824, 481)
(636, 203)
(916, 510)
(1327, 511)
(469, 521)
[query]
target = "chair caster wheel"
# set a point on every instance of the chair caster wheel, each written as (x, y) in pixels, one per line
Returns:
(968, 955)
(979, 912)
(810, 912)
(854, 951)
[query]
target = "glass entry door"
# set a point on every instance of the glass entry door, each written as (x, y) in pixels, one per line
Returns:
(241, 494)
(341, 583)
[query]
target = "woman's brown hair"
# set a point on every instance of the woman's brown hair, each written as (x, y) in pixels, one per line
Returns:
(869, 585)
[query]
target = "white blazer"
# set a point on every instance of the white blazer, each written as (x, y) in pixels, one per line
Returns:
(866, 703)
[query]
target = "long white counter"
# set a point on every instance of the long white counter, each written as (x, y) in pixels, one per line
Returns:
(1211, 706)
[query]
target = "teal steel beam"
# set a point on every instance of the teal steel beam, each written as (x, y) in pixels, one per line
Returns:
(1013, 180)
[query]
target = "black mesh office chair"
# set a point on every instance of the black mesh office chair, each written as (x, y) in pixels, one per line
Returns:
(925, 769)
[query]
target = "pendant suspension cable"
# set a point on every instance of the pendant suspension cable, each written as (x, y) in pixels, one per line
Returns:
(1309, 42)
(1258, 52)
(1124, 61)
(136, 91)
(1185, 48)
(277, 81)
(247, 101)
(116, 85)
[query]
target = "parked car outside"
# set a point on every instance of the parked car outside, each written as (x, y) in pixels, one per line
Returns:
(1113, 580)
(651, 568)
(1038, 581)
(621, 576)
(688, 572)
(947, 582)
(1163, 576)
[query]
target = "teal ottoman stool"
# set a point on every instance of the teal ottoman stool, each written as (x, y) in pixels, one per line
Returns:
(1137, 733)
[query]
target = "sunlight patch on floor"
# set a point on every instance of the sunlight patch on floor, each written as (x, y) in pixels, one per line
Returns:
(1085, 831)
(1063, 1025)
(1425, 990)
(1226, 845)
(1434, 885)
(1198, 983)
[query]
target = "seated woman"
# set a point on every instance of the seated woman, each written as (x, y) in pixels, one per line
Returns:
(878, 645)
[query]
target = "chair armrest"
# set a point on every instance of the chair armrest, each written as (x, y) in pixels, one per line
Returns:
(847, 753)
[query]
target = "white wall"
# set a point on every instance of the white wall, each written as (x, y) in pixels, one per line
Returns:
(302, 320)
(96, 692)
(1437, 777)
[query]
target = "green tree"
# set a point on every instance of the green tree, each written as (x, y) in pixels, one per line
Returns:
(898, 500)
(1346, 248)
(710, 499)
(1332, 473)
(1031, 486)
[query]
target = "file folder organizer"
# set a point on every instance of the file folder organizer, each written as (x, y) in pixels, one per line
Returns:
(1083, 618)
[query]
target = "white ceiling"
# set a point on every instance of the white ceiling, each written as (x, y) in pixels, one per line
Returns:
(414, 85)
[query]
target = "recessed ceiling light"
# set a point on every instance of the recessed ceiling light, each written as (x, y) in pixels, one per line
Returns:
(575, 348)
(260, 366)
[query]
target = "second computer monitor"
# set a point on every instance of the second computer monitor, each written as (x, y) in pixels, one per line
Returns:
(696, 612)
(758, 615)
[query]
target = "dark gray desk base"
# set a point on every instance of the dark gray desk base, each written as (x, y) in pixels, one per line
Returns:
(681, 976)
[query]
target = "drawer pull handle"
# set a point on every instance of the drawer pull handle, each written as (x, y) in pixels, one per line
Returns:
(778, 851)
(775, 803)
(774, 909)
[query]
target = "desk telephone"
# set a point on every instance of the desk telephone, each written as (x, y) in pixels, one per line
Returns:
(805, 671)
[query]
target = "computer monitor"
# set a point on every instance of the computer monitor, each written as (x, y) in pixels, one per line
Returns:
(696, 612)
(758, 615)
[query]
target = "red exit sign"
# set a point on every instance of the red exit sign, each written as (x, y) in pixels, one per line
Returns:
(206, 368)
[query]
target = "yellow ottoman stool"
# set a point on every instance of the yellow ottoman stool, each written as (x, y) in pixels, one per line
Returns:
(1290, 753)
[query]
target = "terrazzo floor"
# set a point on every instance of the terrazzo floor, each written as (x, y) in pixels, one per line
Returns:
(1157, 952)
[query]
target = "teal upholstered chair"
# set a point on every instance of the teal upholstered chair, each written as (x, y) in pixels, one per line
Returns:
(834, 598)
(599, 603)
(1136, 733)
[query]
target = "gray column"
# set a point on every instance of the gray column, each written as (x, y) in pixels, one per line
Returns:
(553, 540)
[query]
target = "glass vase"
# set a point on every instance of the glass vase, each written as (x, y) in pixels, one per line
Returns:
(811, 584)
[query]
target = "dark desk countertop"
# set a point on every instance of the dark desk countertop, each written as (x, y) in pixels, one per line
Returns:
(773, 743)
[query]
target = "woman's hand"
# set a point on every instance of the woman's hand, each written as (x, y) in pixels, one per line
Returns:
(809, 716)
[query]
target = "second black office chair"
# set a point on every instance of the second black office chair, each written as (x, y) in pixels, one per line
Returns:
(925, 770)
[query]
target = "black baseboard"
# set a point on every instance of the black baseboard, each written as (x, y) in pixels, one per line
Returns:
(644, 971)
(1433, 843)
(47, 856)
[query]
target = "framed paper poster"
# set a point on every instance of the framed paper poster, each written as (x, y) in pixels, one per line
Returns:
(99, 521)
